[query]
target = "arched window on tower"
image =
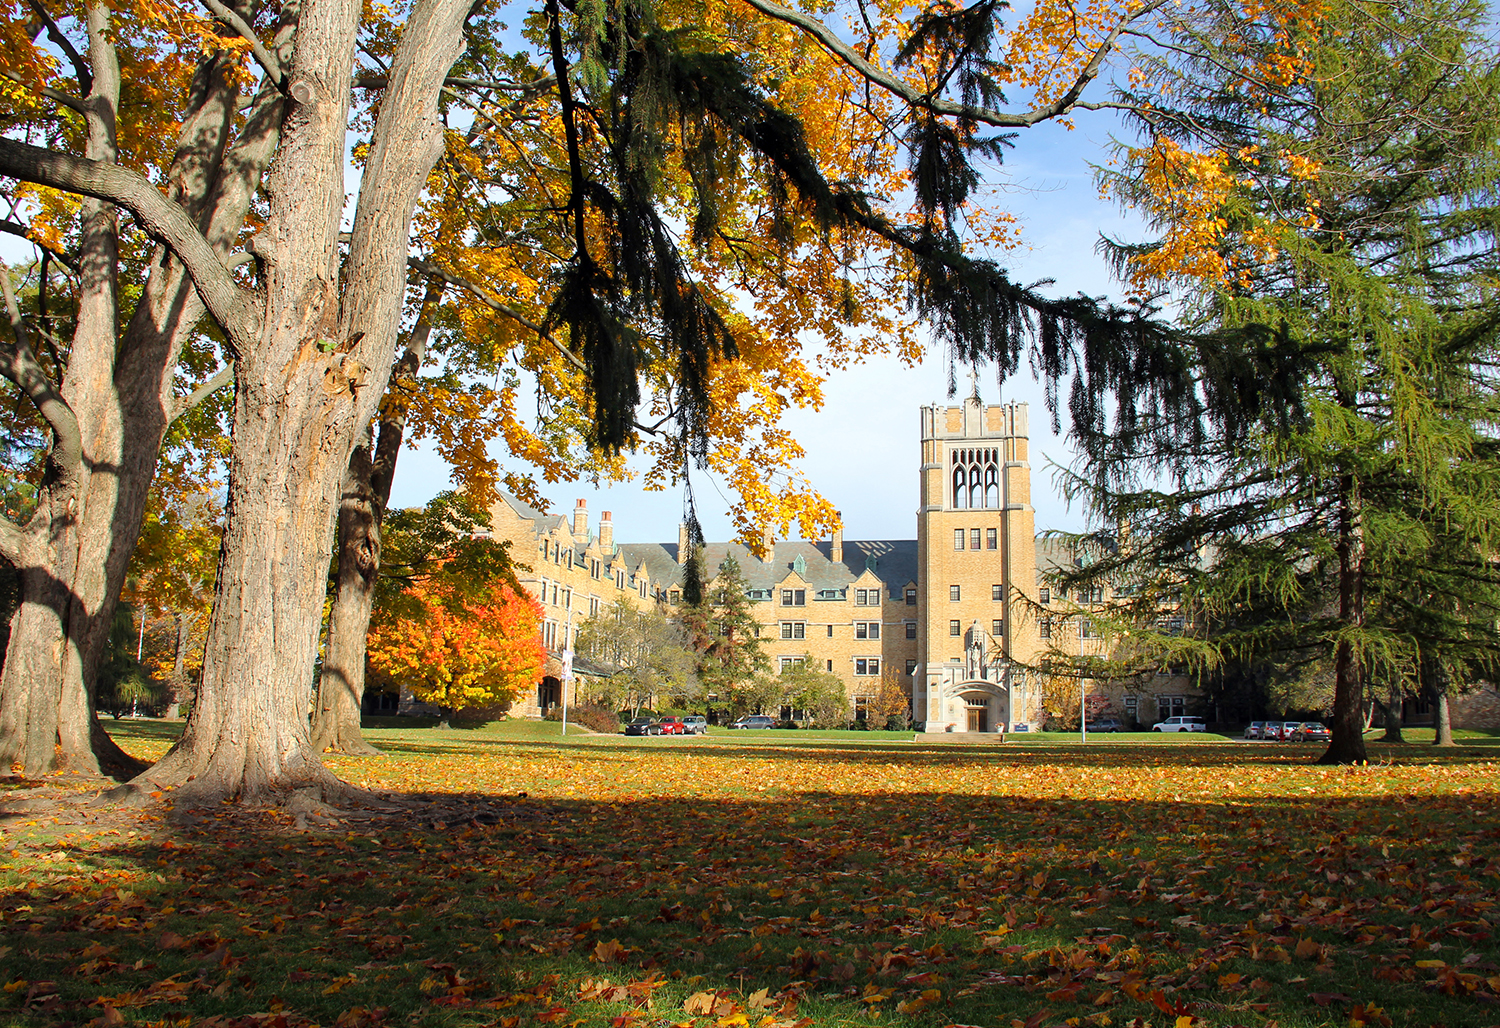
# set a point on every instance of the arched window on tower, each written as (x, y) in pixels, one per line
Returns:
(975, 478)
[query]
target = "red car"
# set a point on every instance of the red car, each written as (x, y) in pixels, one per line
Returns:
(672, 726)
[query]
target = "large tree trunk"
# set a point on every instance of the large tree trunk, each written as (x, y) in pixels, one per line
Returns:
(1392, 708)
(306, 381)
(1347, 745)
(124, 410)
(367, 490)
(341, 687)
(1442, 719)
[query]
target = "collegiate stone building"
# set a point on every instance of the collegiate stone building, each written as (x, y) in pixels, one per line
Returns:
(959, 611)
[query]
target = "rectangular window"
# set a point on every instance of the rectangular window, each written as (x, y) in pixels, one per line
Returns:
(642, 589)
(830, 631)
(570, 556)
(593, 569)
(867, 629)
(794, 597)
(861, 708)
(954, 628)
(958, 538)
(1044, 628)
(593, 606)
(1085, 629)
(867, 665)
(997, 592)
(991, 539)
(997, 628)
(674, 597)
(973, 538)
(1170, 706)
(911, 629)
(794, 630)
(619, 579)
(1132, 704)
(554, 596)
(1044, 595)
(911, 597)
(790, 662)
(568, 599)
(867, 597)
(830, 665)
(953, 593)
(911, 665)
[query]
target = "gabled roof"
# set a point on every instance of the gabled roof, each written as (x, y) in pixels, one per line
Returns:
(894, 563)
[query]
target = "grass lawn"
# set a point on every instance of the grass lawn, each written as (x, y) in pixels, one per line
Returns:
(777, 879)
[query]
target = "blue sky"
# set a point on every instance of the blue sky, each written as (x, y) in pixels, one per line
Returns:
(862, 446)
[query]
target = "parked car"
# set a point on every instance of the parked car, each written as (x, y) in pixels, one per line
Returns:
(642, 726)
(1270, 730)
(1256, 730)
(755, 721)
(671, 726)
(1105, 724)
(1180, 724)
(695, 724)
(1313, 731)
(1289, 731)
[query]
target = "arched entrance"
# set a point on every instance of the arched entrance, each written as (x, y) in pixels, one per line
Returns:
(986, 707)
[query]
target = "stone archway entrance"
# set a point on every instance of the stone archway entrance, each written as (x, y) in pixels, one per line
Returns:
(986, 707)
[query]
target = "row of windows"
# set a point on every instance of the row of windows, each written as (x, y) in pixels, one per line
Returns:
(956, 627)
(862, 597)
(997, 593)
(862, 630)
(863, 666)
(971, 535)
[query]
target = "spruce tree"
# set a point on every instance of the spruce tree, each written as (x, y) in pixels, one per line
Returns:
(1346, 199)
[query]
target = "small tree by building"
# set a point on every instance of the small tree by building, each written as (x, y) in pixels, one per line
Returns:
(649, 654)
(724, 636)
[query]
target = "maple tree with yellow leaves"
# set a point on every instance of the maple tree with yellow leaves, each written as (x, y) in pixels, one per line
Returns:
(641, 216)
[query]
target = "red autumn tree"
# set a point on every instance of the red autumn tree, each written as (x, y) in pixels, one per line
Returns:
(458, 650)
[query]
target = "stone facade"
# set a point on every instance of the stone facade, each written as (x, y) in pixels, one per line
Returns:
(961, 611)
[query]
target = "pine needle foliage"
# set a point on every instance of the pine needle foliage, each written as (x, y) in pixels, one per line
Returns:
(1351, 202)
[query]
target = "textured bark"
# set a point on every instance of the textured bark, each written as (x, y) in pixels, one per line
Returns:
(1347, 745)
(122, 392)
(303, 390)
(341, 687)
(1392, 708)
(367, 490)
(1442, 719)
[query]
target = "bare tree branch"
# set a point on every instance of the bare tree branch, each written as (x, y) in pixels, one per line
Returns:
(60, 256)
(924, 100)
(55, 95)
(232, 307)
(265, 58)
(483, 296)
(207, 388)
(19, 364)
(81, 69)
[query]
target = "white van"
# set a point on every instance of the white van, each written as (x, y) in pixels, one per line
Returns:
(1180, 724)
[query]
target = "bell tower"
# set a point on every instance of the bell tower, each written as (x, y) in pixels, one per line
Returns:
(976, 558)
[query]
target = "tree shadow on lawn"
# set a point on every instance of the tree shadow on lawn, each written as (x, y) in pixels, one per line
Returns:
(1205, 755)
(460, 912)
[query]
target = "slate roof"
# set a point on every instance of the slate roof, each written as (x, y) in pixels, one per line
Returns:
(895, 563)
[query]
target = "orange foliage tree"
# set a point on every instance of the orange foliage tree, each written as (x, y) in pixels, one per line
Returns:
(460, 651)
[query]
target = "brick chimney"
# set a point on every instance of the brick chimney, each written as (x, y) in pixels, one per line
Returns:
(836, 551)
(606, 534)
(581, 519)
(682, 542)
(768, 540)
